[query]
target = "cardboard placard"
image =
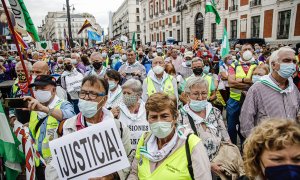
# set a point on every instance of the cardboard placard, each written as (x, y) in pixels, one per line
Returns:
(95, 151)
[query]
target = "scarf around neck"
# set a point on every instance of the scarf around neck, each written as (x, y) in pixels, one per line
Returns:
(267, 81)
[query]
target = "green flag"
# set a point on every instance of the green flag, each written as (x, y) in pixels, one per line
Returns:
(133, 42)
(210, 6)
(225, 44)
(23, 19)
(9, 150)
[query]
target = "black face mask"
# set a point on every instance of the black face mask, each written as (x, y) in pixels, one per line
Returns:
(97, 65)
(68, 67)
(286, 172)
(197, 71)
(140, 56)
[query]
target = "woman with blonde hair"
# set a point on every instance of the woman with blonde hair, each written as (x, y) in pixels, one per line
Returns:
(272, 151)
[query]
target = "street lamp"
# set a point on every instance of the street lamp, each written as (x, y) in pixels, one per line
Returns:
(71, 43)
(180, 8)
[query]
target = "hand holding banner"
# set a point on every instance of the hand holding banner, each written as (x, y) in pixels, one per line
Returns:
(95, 151)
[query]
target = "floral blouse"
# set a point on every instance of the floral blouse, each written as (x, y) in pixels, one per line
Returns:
(215, 131)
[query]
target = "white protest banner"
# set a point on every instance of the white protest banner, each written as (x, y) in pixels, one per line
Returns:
(43, 45)
(95, 151)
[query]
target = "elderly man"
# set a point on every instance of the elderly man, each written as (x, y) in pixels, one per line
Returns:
(239, 79)
(46, 111)
(274, 96)
(175, 59)
(42, 68)
(158, 80)
(97, 62)
(58, 68)
(185, 69)
(71, 81)
(20, 89)
(76, 60)
(132, 68)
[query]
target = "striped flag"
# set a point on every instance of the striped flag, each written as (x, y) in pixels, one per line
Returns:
(9, 150)
(210, 6)
(85, 25)
(21, 41)
(196, 43)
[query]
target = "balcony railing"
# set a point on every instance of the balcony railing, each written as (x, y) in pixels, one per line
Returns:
(233, 8)
(162, 11)
(177, 22)
(169, 9)
(151, 16)
(255, 3)
(170, 24)
(156, 14)
(144, 18)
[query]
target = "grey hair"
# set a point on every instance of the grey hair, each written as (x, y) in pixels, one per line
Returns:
(195, 81)
(274, 56)
(60, 57)
(28, 65)
(133, 84)
(75, 54)
(196, 59)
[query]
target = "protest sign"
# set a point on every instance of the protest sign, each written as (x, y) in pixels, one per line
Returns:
(95, 151)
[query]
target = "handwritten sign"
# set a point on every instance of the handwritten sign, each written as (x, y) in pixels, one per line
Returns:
(95, 151)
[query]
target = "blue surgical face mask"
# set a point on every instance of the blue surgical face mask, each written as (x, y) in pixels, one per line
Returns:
(88, 108)
(198, 106)
(112, 85)
(104, 54)
(206, 69)
(256, 78)
(283, 172)
(286, 70)
(161, 129)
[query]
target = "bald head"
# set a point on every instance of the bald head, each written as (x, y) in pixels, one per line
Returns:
(40, 68)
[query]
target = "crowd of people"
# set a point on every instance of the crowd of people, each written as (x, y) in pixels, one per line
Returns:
(182, 113)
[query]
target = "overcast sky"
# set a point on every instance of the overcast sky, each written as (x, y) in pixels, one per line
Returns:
(38, 9)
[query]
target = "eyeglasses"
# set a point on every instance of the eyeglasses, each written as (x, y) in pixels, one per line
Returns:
(92, 95)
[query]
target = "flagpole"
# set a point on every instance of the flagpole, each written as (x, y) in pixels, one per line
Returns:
(12, 30)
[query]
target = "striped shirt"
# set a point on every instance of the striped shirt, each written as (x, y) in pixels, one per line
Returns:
(263, 102)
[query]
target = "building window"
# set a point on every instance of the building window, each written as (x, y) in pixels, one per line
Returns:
(233, 28)
(164, 36)
(137, 10)
(156, 4)
(138, 28)
(178, 35)
(137, 2)
(157, 37)
(170, 33)
(283, 26)
(255, 22)
(138, 36)
(138, 19)
(188, 35)
(152, 37)
(213, 32)
(233, 2)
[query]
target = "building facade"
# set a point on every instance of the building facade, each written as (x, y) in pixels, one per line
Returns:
(126, 20)
(56, 23)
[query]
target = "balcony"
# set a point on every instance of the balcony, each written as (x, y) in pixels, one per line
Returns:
(156, 27)
(144, 18)
(233, 8)
(177, 22)
(151, 16)
(255, 3)
(169, 9)
(162, 11)
(138, 30)
(151, 27)
(144, 30)
(156, 14)
(170, 24)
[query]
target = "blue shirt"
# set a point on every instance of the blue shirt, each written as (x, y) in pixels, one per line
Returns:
(67, 112)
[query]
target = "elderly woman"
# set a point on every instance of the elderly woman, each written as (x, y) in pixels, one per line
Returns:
(207, 122)
(272, 151)
(93, 96)
(115, 91)
(169, 151)
(132, 111)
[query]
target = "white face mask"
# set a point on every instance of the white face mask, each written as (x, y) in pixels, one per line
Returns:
(158, 69)
(73, 61)
(88, 108)
(247, 55)
(42, 96)
(154, 55)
